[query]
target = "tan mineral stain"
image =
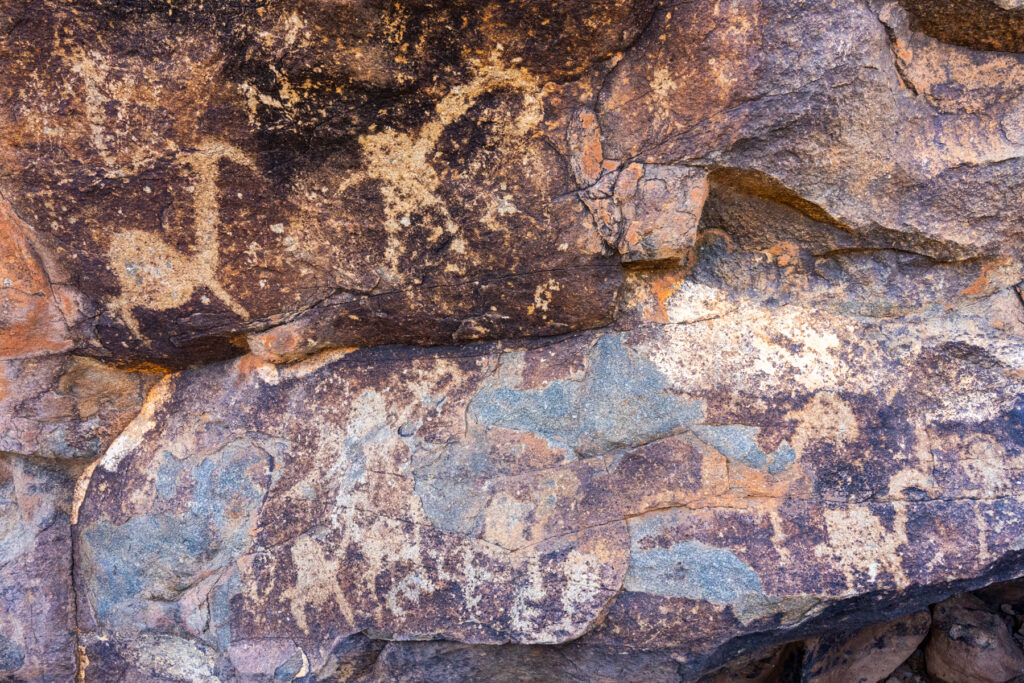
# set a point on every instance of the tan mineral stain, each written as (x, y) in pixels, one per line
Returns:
(826, 417)
(542, 296)
(682, 301)
(81, 663)
(584, 139)
(134, 434)
(130, 439)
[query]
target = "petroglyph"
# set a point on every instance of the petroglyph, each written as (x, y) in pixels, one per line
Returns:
(401, 161)
(861, 545)
(316, 582)
(155, 275)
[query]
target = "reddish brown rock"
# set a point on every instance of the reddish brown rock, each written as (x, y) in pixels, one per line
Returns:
(867, 656)
(841, 121)
(66, 406)
(31, 322)
(970, 643)
(434, 180)
(373, 174)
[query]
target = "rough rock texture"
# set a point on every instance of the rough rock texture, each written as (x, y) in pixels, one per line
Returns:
(969, 643)
(36, 595)
(869, 655)
(58, 411)
(594, 489)
(624, 340)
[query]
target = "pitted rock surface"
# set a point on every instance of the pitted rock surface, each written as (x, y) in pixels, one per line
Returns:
(629, 340)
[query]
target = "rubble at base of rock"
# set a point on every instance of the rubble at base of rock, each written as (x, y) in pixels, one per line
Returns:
(599, 340)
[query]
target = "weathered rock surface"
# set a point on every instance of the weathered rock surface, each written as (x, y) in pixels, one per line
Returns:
(58, 411)
(477, 170)
(386, 167)
(725, 373)
(36, 596)
(970, 643)
(52, 403)
(866, 656)
(31, 320)
(599, 489)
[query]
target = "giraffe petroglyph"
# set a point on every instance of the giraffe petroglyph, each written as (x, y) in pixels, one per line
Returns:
(155, 275)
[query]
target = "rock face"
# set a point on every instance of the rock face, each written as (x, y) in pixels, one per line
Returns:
(606, 341)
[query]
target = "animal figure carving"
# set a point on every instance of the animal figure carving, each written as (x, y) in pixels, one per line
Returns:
(155, 275)
(401, 161)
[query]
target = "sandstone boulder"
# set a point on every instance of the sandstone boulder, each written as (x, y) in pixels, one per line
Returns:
(970, 643)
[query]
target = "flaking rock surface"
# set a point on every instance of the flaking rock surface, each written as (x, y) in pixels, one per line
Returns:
(613, 341)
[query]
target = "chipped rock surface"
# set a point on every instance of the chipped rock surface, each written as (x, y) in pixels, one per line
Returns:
(627, 340)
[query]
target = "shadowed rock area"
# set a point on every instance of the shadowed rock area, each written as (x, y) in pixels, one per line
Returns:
(627, 340)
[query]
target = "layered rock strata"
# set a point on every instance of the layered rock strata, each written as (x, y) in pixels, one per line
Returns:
(445, 341)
